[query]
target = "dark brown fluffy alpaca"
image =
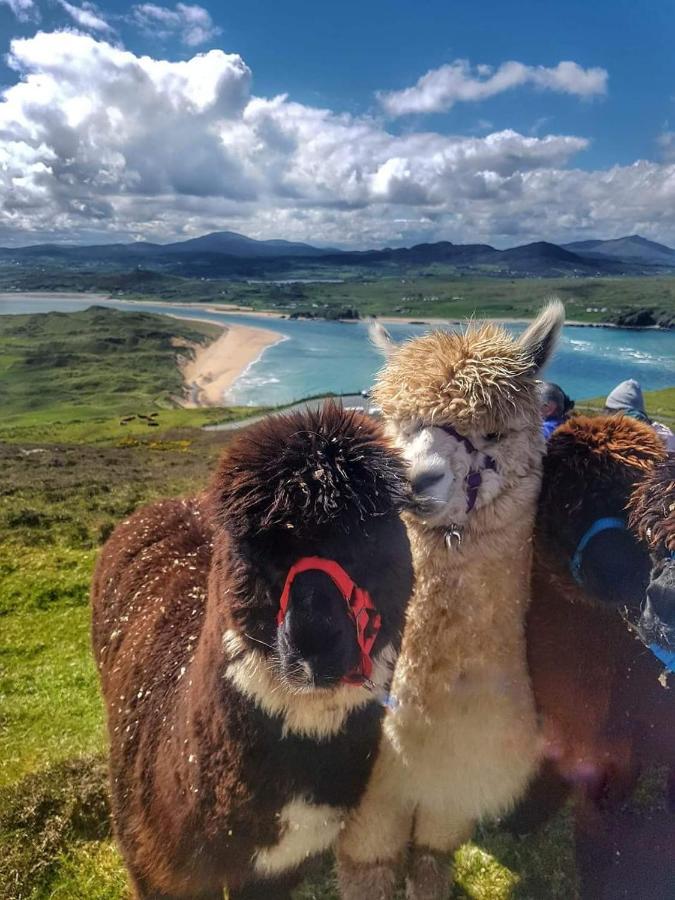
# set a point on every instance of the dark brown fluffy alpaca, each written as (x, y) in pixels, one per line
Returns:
(227, 768)
(605, 714)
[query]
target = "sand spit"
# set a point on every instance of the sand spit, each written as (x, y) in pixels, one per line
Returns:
(216, 367)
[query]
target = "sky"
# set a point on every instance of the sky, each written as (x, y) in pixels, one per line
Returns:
(356, 124)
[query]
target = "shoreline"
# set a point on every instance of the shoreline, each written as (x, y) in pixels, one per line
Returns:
(391, 320)
(216, 366)
(234, 310)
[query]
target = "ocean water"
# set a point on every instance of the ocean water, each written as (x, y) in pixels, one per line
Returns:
(317, 357)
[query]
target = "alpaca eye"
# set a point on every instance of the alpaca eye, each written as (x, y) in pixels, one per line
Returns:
(494, 436)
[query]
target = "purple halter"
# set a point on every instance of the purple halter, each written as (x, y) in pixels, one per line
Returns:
(474, 479)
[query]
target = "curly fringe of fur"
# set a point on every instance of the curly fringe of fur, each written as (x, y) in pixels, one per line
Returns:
(477, 378)
(329, 466)
(611, 453)
(609, 446)
(652, 507)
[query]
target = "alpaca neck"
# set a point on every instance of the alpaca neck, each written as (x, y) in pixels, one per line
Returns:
(466, 614)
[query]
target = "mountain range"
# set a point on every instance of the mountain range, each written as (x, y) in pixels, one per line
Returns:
(228, 254)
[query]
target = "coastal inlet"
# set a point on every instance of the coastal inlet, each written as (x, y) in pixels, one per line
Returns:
(264, 360)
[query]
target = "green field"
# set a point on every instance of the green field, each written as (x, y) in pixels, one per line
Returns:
(437, 295)
(71, 471)
(418, 293)
(74, 376)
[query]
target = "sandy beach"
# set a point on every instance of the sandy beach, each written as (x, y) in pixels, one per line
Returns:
(217, 366)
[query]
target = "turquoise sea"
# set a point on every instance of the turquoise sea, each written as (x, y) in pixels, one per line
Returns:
(316, 356)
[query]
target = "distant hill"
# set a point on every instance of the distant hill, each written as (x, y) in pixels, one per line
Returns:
(233, 244)
(226, 254)
(633, 248)
(228, 243)
(542, 256)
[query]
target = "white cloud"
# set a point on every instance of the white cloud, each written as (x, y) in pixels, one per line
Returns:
(97, 143)
(192, 24)
(457, 82)
(86, 16)
(24, 10)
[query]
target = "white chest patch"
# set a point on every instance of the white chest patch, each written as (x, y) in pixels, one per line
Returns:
(305, 829)
(315, 714)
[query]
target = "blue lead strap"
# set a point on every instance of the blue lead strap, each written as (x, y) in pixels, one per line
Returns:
(667, 657)
(597, 526)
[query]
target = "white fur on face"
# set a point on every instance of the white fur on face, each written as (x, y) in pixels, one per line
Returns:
(429, 452)
(318, 714)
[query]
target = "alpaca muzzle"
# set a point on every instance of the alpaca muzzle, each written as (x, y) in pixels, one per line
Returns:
(474, 478)
(367, 621)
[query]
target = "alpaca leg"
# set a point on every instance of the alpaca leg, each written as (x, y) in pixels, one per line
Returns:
(277, 889)
(429, 874)
(160, 895)
(375, 837)
(434, 839)
(367, 881)
(370, 850)
(142, 893)
(143, 889)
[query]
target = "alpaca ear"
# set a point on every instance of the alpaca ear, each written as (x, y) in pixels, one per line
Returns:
(381, 338)
(540, 339)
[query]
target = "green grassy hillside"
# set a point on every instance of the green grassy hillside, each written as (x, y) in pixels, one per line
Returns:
(72, 376)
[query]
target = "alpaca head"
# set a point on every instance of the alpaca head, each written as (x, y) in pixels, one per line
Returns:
(591, 467)
(463, 408)
(323, 485)
(653, 517)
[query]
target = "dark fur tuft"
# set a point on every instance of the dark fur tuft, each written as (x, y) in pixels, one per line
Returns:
(330, 466)
(652, 507)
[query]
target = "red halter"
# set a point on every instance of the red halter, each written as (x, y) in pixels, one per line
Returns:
(361, 608)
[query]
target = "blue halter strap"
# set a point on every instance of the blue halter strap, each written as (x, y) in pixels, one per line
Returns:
(599, 525)
(667, 657)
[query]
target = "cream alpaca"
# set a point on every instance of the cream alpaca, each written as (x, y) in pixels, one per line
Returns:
(463, 741)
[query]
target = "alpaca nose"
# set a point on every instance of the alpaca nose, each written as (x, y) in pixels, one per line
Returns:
(423, 481)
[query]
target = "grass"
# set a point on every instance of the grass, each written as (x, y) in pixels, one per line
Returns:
(71, 377)
(70, 472)
(56, 508)
(65, 484)
(413, 292)
(434, 292)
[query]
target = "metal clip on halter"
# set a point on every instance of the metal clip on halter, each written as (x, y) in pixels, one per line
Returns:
(453, 536)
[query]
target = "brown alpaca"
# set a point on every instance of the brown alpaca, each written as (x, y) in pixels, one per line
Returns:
(463, 741)
(242, 730)
(605, 714)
